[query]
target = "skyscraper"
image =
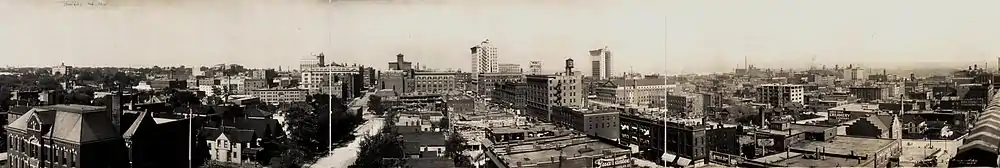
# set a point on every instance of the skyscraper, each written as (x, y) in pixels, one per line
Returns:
(601, 63)
(484, 58)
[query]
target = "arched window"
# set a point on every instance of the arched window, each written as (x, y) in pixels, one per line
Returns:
(34, 146)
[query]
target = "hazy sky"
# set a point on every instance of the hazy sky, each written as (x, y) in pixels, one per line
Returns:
(647, 35)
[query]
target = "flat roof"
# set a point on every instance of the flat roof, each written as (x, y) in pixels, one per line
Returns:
(546, 150)
(842, 145)
(845, 145)
(856, 107)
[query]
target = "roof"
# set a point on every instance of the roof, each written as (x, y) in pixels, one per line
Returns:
(135, 125)
(261, 127)
(232, 133)
(256, 112)
(425, 138)
(637, 82)
(19, 109)
(71, 123)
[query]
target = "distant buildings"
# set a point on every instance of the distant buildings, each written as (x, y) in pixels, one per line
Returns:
(400, 64)
(776, 94)
(688, 105)
(62, 69)
(854, 73)
(280, 95)
(436, 81)
(486, 82)
(318, 60)
(511, 95)
(601, 63)
(632, 91)
(870, 93)
(318, 80)
(484, 58)
(398, 81)
(510, 68)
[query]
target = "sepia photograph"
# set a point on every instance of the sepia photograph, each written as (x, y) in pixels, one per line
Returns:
(499, 83)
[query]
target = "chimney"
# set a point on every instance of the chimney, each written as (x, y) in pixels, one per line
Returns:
(116, 110)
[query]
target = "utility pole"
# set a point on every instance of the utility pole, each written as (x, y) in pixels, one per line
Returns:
(190, 134)
(329, 134)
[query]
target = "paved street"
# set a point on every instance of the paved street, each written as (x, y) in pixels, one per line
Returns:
(345, 156)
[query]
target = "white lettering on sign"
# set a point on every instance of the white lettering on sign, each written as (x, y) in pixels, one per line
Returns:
(83, 2)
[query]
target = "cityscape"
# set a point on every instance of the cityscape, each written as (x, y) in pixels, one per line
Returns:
(486, 99)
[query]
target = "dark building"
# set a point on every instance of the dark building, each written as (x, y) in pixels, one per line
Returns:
(400, 64)
(65, 136)
(869, 93)
(168, 84)
(158, 142)
(510, 95)
(979, 148)
(685, 141)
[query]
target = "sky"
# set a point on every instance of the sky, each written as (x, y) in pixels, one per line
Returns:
(651, 36)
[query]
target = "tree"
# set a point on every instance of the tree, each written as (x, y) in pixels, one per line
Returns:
(374, 148)
(375, 104)
(455, 145)
(181, 99)
(48, 83)
(306, 138)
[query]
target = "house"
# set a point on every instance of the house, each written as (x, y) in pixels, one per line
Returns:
(230, 144)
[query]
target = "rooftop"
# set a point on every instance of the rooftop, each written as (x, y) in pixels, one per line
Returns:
(840, 151)
(544, 150)
(857, 107)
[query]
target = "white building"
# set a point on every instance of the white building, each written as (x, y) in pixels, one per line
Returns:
(543, 92)
(510, 68)
(227, 144)
(314, 61)
(854, 74)
(484, 58)
(280, 95)
(633, 91)
(773, 94)
(316, 78)
(62, 69)
(436, 82)
(601, 63)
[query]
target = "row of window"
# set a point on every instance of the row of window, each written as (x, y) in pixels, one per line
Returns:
(31, 148)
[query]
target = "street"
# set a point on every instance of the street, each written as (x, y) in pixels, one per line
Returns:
(345, 156)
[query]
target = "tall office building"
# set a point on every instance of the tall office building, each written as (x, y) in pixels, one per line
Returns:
(601, 63)
(535, 67)
(484, 58)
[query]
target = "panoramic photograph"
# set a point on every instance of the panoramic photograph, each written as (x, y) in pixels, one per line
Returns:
(499, 83)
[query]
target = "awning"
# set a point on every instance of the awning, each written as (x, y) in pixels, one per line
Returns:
(683, 161)
(669, 158)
